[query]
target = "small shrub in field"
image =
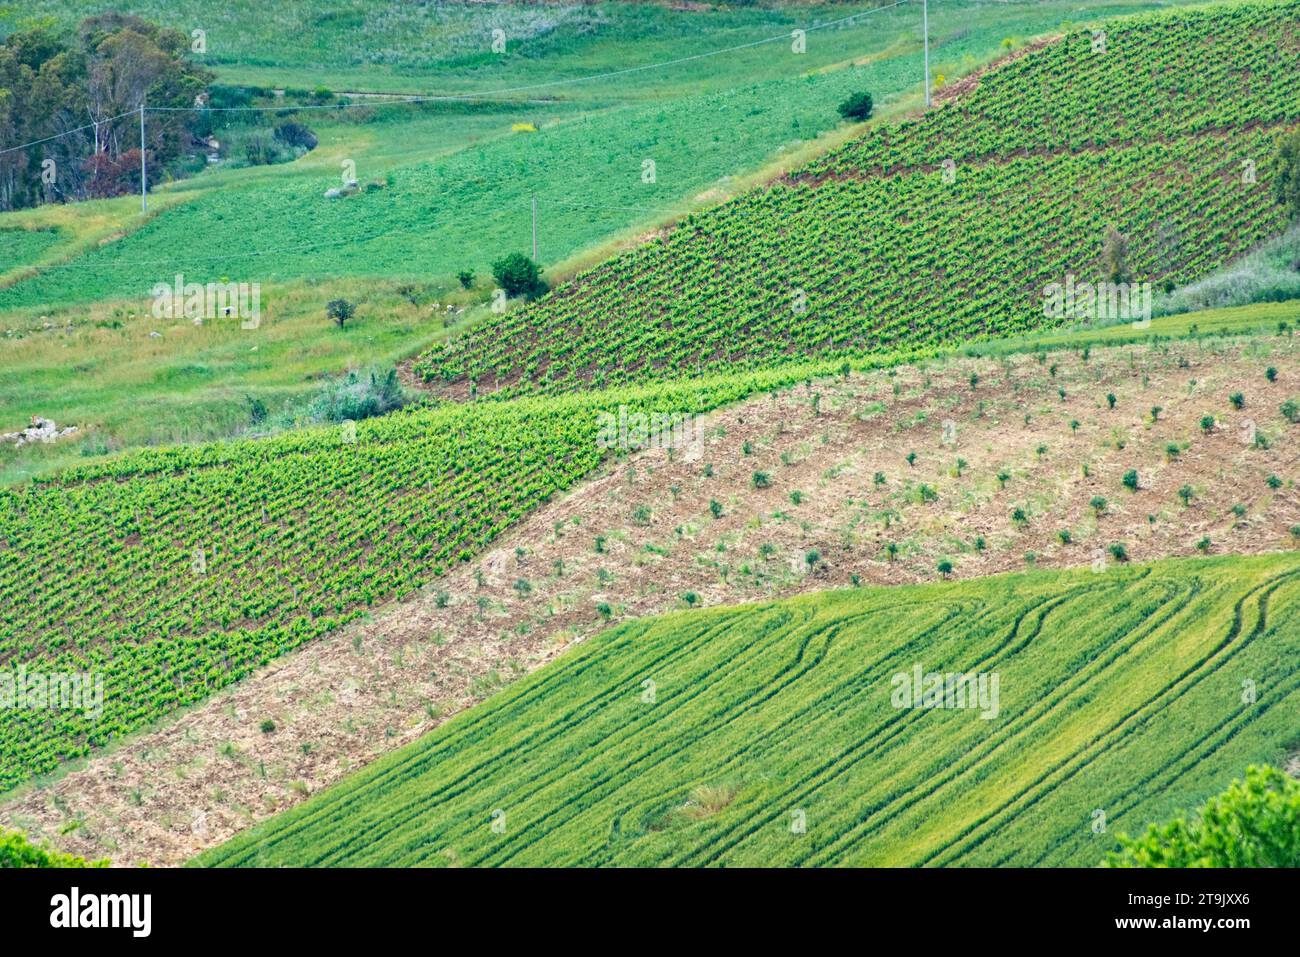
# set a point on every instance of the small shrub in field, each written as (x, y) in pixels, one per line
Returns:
(17, 851)
(353, 397)
(1207, 424)
(1254, 823)
(268, 726)
(1098, 504)
(944, 567)
(760, 480)
(857, 107)
(715, 508)
(1130, 480)
(519, 276)
(1119, 552)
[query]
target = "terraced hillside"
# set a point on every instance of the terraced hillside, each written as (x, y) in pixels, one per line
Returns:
(775, 734)
(884, 244)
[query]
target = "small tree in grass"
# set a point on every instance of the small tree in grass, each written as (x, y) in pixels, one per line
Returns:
(857, 107)
(340, 310)
(519, 276)
(1114, 256)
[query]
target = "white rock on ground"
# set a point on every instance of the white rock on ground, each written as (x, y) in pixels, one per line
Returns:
(41, 430)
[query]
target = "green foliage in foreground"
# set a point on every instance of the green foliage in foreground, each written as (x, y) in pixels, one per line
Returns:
(768, 734)
(1254, 823)
(17, 851)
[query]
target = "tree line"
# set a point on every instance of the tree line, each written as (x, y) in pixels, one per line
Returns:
(70, 88)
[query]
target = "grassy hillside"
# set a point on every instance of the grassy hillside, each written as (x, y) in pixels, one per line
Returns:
(446, 47)
(876, 247)
(991, 464)
(703, 738)
(457, 185)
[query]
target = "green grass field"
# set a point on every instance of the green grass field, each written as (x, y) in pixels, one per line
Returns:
(463, 183)
(701, 738)
(446, 47)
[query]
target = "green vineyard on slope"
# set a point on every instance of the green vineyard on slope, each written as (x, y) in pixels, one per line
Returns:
(772, 734)
(170, 573)
(879, 246)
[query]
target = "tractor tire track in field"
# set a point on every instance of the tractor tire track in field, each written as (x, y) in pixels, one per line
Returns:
(421, 761)
(393, 825)
(868, 745)
(761, 695)
(790, 672)
(979, 758)
(1130, 723)
(830, 701)
(1226, 731)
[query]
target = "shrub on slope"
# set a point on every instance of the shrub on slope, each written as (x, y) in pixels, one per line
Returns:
(1254, 823)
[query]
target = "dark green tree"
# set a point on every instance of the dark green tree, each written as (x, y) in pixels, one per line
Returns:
(519, 276)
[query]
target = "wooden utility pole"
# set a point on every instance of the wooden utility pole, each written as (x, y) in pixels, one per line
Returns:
(925, 26)
(144, 172)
